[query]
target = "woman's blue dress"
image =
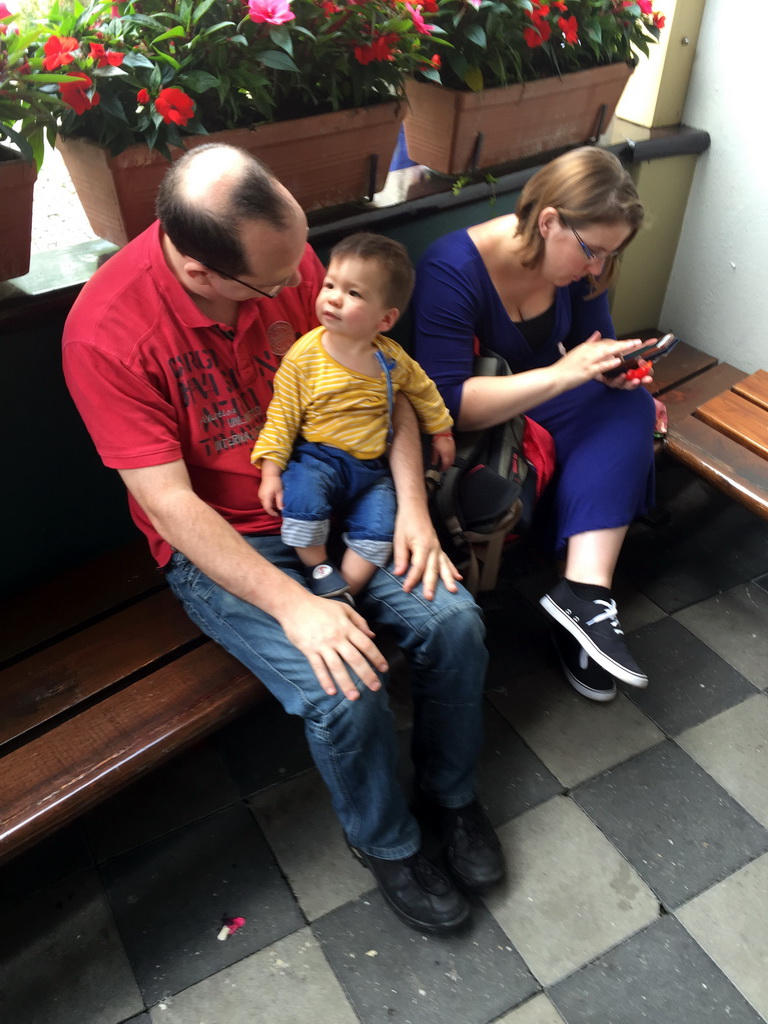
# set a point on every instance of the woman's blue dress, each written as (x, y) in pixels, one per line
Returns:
(603, 436)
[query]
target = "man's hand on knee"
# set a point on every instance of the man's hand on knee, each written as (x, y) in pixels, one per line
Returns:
(335, 638)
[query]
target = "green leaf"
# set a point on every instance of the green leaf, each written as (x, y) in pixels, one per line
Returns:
(109, 71)
(172, 33)
(476, 34)
(199, 81)
(474, 79)
(277, 60)
(201, 9)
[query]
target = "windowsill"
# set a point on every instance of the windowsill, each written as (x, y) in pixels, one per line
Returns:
(55, 276)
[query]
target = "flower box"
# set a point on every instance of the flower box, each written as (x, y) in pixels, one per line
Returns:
(452, 132)
(323, 160)
(17, 183)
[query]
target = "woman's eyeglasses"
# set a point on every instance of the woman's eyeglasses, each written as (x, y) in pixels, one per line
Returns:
(592, 257)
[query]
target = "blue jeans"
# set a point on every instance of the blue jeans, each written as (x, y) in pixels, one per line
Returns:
(321, 480)
(353, 743)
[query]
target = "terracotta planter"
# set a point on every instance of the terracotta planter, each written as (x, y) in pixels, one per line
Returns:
(17, 183)
(453, 132)
(323, 160)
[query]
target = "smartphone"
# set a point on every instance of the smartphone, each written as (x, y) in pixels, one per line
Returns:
(651, 352)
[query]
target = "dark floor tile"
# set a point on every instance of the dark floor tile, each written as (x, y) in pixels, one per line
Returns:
(143, 1018)
(659, 976)
(190, 786)
(688, 682)
(510, 777)
(171, 896)
(675, 825)
(517, 637)
(61, 959)
(392, 973)
(762, 581)
(710, 543)
(263, 746)
(51, 860)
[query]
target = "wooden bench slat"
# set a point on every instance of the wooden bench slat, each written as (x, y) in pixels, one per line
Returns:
(738, 418)
(684, 399)
(74, 597)
(683, 362)
(738, 472)
(60, 774)
(58, 678)
(755, 388)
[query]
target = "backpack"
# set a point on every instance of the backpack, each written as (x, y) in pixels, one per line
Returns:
(487, 497)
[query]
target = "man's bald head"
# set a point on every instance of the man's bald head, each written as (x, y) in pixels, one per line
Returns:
(207, 196)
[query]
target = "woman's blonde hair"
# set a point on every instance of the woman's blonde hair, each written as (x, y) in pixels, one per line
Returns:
(586, 186)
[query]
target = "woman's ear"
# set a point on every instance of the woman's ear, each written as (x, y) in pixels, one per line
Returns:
(548, 218)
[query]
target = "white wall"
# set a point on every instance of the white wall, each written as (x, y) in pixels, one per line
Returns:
(717, 297)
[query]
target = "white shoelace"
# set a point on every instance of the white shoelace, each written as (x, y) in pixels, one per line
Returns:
(611, 612)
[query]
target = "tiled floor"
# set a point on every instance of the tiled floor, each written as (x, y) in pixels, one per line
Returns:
(636, 835)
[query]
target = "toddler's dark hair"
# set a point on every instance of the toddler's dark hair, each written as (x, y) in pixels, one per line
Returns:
(392, 257)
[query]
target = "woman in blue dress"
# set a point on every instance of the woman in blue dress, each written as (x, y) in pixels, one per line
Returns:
(531, 286)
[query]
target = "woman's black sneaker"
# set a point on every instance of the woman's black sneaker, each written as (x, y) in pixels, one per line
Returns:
(595, 625)
(584, 674)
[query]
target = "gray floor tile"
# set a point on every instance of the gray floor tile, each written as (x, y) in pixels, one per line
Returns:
(660, 976)
(762, 582)
(679, 829)
(733, 748)
(569, 895)
(688, 682)
(61, 959)
(171, 896)
(305, 836)
(262, 747)
(290, 982)
(733, 625)
(538, 1010)
(391, 972)
(186, 788)
(575, 737)
(510, 777)
(730, 922)
(51, 860)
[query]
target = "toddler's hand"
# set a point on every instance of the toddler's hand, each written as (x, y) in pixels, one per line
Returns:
(443, 450)
(271, 495)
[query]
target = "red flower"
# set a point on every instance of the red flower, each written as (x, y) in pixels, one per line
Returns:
(537, 35)
(437, 61)
(75, 92)
(104, 57)
(173, 105)
(142, 96)
(659, 20)
(380, 49)
(560, 6)
(329, 8)
(430, 6)
(58, 52)
(570, 29)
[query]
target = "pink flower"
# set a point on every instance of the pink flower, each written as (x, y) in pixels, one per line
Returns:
(418, 20)
(272, 12)
(476, 4)
(4, 12)
(645, 6)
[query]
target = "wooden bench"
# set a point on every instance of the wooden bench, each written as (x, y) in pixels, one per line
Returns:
(102, 677)
(718, 423)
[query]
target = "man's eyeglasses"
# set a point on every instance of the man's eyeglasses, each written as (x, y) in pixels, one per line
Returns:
(259, 291)
(591, 256)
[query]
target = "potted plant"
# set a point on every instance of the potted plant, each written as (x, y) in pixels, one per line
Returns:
(521, 77)
(26, 112)
(150, 78)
